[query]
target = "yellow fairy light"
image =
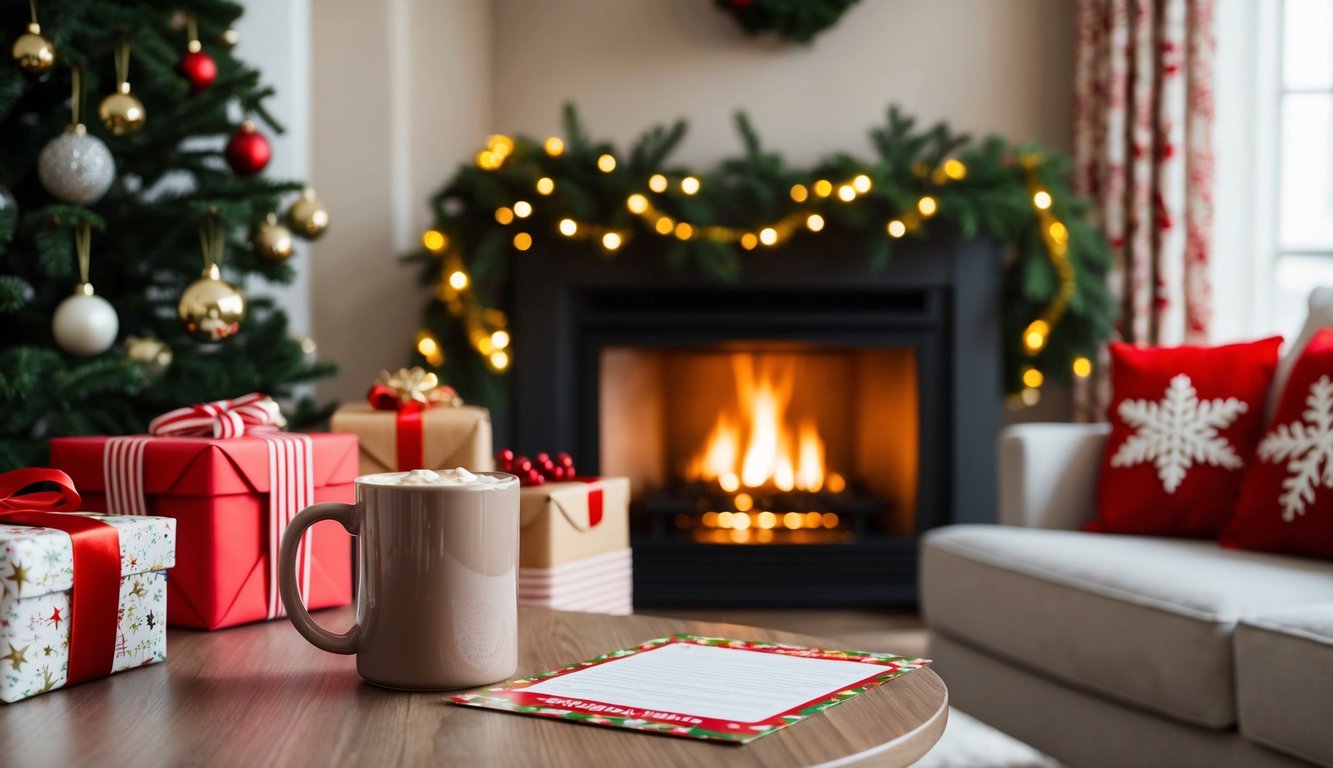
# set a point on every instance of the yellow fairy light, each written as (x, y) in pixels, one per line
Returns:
(429, 348)
(928, 206)
(823, 188)
(768, 236)
(955, 169)
(458, 280)
(500, 145)
(1082, 367)
(664, 225)
(1034, 338)
(814, 222)
(684, 231)
(606, 163)
(499, 360)
(846, 193)
(545, 185)
(1030, 396)
(689, 185)
(488, 160)
(896, 228)
(500, 339)
(637, 203)
(434, 240)
(554, 146)
(522, 241)
(1059, 233)
(568, 227)
(861, 183)
(799, 193)
(522, 209)
(749, 241)
(1042, 199)
(657, 183)
(504, 215)
(611, 241)
(1032, 378)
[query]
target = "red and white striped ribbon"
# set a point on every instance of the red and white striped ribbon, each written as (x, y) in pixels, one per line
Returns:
(222, 418)
(290, 468)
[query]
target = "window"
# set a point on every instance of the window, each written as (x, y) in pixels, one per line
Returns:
(1300, 228)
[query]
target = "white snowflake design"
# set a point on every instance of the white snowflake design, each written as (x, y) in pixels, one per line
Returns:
(1178, 432)
(1304, 445)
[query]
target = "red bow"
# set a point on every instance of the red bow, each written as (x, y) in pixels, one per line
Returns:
(221, 418)
(409, 392)
(95, 595)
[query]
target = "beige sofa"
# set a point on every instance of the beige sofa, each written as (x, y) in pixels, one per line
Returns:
(1105, 650)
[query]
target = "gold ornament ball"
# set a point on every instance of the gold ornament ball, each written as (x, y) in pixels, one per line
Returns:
(33, 51)
(272, 241)
(153, 354)
(210, 309)
(121, 112)
(308, 216)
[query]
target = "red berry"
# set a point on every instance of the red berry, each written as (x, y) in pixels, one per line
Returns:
(543, 458)
(565, 459)
(506, 454)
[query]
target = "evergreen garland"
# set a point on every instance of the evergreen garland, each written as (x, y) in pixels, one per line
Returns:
(145, 244)
(578, 192)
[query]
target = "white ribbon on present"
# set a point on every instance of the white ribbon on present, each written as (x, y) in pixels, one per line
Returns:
(290, 469)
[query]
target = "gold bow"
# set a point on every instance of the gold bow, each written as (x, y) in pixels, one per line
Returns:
(417, 385)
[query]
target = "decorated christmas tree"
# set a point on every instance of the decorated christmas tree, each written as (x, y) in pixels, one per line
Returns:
(134, 217)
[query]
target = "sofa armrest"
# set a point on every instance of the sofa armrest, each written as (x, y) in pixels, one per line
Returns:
(1048, 474)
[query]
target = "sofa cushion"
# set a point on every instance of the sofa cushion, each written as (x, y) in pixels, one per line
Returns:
(1148, 621)
(1284, 665)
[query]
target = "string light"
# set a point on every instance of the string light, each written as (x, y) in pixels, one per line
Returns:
(429, 348)
(1030, 396)
(1032, 378)
(846, 193)
(504, 215)
(522, 209)
(434, 241)
(799, 193)
(1042, 199)
(637, 203)
(814, 222)
(606, 163)
(554, 146)
(689, 185)
(1082, 367)
(664, 225)
(684, 231)
(749, 241)
(545, 185)
(955, 169)
(522, 241)
(458, 280)
(611, 241)
(927, 205)
(896, 228)
(657, 183)
(500, 339)
(1034, 338)
(823, 188)
(487, 160)
(768, 236)
(499, 360)
(568, 227)
(861, 183)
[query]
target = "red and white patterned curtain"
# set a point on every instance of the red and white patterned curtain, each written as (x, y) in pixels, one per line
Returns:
(1143, 116)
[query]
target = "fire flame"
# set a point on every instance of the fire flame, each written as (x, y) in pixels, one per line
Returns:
(774, 454)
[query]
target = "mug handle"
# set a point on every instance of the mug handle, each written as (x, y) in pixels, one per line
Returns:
(333, 642)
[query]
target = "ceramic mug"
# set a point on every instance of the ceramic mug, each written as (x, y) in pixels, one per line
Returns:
(437, 604)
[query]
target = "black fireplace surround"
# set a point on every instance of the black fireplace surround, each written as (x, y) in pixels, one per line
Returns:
(939, 296)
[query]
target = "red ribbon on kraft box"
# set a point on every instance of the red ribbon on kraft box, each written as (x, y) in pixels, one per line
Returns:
(95, 595)
(409, 393)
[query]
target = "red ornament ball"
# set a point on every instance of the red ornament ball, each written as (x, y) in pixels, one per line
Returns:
(199, 69)
(248, 151)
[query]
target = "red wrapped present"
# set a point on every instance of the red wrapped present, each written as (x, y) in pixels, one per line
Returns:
(232, 494)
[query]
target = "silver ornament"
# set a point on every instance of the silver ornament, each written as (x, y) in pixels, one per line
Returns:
(76, 167)
(85, 324)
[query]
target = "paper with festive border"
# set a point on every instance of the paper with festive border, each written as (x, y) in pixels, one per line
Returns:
(511, 697)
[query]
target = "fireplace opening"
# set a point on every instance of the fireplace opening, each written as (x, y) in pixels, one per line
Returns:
(764, 442)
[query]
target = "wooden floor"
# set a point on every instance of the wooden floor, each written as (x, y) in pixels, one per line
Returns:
(885, 631)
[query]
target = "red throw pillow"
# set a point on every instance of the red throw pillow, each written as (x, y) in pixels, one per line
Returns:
(1286, 502)
(1184, 423)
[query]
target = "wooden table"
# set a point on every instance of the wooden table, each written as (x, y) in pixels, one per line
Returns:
(260, 695)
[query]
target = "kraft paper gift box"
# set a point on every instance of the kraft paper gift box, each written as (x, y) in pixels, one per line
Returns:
(37, 582)
(219, 493)
(449, 436)
(574, 550)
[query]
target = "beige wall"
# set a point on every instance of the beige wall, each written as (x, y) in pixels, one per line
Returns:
(392, 118)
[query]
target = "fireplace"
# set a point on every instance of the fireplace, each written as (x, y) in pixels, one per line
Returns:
(788, 434)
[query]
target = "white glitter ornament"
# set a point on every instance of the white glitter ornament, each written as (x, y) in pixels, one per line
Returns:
(76, 167)
(85, 324)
